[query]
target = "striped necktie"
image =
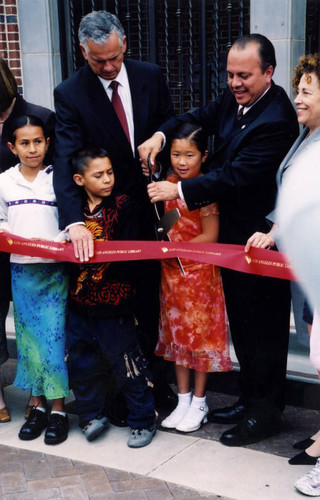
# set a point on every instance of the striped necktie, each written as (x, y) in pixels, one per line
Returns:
(240, 112)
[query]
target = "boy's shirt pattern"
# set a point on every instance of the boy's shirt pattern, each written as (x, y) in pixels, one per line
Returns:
(106, 284)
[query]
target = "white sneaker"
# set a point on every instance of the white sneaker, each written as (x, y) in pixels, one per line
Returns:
(194, 417)
(176, 416)
(310, 483)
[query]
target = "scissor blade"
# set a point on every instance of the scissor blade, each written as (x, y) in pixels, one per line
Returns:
(166, 222)
(164, 225)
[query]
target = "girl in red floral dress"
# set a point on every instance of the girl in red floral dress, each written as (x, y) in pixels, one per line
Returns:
(193, 324)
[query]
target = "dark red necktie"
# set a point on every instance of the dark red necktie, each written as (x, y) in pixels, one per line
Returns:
(119, 109)
(240, 113)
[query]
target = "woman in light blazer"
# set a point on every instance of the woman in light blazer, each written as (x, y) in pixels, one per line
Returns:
(298, 215)
(306, 82)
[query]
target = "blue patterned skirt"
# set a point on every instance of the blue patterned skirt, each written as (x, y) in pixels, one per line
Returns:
(39, 293)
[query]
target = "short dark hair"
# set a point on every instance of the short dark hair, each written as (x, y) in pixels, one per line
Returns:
(266, 49)
(80, 162)
(23, 120)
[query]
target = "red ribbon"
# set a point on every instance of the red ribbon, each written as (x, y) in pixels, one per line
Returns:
(257, 261)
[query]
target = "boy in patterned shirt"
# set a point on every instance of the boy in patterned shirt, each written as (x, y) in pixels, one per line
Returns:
(101, 325)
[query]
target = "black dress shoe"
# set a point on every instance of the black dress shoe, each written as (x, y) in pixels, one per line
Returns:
(116, 409)
(303, 459)
(250, 430)
(304, 444)
(37, 421)
(228, 415)
(165, 397)
(57, 430)
(117, 417)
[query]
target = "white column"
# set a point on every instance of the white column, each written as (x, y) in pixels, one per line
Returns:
(283, 22)
(39, 50)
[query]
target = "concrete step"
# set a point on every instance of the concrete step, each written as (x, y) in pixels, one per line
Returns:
(194, 461)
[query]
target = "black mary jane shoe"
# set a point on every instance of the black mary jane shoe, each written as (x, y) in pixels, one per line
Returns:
(228, 415)
(250, 430)
(57, 430)
(304, 444)
(165, 398)
(35, 424)
(303, 459)
(117, 416)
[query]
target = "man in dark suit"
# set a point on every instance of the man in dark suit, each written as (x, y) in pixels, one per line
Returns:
(254, 125)
(86, 117)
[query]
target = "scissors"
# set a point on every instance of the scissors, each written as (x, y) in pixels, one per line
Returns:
(166, 222)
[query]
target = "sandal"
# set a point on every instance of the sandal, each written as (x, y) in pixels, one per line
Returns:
(4, 412)
(4, 415)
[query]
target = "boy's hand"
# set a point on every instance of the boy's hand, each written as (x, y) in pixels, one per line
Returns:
(82, 242)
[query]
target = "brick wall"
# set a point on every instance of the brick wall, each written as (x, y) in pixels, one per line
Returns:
(9, 38)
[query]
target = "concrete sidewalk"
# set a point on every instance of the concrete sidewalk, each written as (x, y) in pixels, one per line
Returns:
(173, 466)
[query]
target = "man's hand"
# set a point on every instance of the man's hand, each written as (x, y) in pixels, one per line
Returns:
(82, 242)
(162, 191)
(259, 240)
(150, 147)
(154, 168)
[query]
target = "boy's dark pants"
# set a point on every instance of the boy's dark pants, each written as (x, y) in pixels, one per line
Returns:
(93, 346)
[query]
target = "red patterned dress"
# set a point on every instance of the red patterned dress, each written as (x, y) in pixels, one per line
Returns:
(193, 324)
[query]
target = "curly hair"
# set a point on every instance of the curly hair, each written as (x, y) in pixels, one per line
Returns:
(307, 64)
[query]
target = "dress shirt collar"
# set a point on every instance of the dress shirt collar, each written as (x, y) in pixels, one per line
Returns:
(246, 108)
(122, 79)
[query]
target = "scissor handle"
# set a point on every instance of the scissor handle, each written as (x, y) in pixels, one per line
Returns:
(149, 167)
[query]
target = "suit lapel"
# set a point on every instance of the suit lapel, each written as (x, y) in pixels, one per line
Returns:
(298, 147)
(287, 159)
(140, 101)
(103, 111)
(228, 124)
(238, 126)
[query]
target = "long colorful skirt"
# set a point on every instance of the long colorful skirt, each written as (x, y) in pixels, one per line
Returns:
(39, 293)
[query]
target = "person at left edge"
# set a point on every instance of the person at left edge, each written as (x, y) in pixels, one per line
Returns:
(85, 119)
(28, 209)
(12, 104)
